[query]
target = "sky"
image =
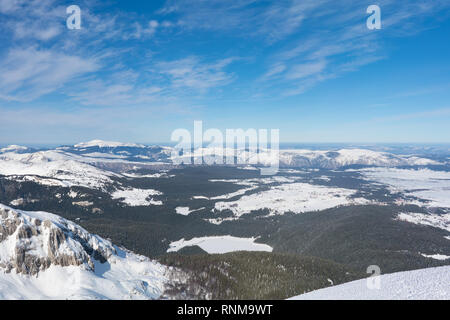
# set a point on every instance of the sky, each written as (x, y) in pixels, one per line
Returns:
(138, 70)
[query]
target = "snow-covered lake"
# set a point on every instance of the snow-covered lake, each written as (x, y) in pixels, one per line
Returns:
(220, 244)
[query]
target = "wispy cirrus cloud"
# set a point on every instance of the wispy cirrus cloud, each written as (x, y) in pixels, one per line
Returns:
(192, 73)
(26, 74)
(40, 55)
(166, 82)
(436, 113)
(92, 66)
(323, 54)
(305, 70)
(336, 42)
(270, 20)
(300, 43)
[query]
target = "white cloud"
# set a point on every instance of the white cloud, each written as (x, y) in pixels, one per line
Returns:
(275, 70)
(306, 69)
(338, 42)
(273, 21)
(444, 112)
(145, 31)
(26, 74)
(192, 73)
(24, 29)
(8, 6)
(167, 82)
(43, 57)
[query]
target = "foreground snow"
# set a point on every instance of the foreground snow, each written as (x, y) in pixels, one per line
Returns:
(220, 244)
(425, 284)
(43, 256)
(125, 276)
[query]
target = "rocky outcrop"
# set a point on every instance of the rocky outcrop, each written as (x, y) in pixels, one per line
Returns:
(9, 224)
(32, 242)
(43, 256)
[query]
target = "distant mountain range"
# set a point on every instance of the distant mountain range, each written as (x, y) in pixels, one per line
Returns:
(98, 151)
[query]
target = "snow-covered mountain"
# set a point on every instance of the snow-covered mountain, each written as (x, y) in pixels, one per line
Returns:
(43, 256)
(95, 164)
(326, 159)
(348, 157)
(118, 151)
(424, 284)
(106, 144)
(103, 151)
(15, 148)
(54, 167)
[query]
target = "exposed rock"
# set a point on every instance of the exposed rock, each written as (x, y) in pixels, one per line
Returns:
(48, 257)
(56, 238)
(26, 232)
(46, 241)
(8, 225)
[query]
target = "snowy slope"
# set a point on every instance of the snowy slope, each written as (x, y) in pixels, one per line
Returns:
(62, 168)
(424, 284)
(43, 256)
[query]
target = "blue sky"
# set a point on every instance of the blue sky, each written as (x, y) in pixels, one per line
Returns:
(137, 70)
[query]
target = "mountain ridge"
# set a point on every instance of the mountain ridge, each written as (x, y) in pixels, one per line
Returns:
(42, 253)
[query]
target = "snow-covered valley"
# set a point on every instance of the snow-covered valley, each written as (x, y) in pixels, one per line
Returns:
(135, 195)
(431, 186)
(291, 197)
